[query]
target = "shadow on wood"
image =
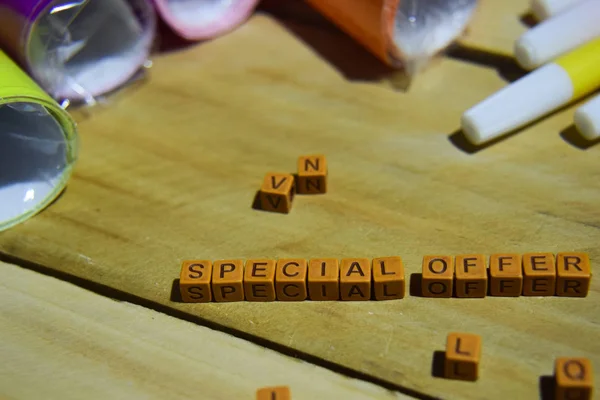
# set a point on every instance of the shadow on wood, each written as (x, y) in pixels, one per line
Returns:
(175, 292)
(167, 41)
(341, 51)
(572, 136)
(547, 385)
(460, 141)
(506, 66)
(256, 204)
(528, 19)
(415, 288)
(437, 364)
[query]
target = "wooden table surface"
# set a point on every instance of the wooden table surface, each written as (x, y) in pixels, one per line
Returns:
(168, 171)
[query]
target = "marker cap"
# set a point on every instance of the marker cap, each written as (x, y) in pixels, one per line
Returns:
(558, 35)
(587, 119)
(517, 104)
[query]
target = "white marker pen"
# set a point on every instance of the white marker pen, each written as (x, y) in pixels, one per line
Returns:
(587, 119)
(542, 91)
(544, 9)
(559, 34)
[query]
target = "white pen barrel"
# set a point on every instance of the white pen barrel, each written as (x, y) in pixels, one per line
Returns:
(558, 35)
(544, 9)
(525, 100)
(587, 119)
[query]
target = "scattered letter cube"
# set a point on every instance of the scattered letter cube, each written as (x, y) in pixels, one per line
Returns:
(312, 175)
(573, 274)
(506, 275)
(539, 274)
(194, 281)
(574, 379)
(463, 352)
(388, 278)
(437, 276)
(277, 192)
(274, 393)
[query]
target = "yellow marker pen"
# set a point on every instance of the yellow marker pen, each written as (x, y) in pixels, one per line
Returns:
(542, 91)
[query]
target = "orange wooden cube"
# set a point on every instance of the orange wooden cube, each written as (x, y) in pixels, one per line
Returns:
(471, 275)
(227, 280)
(573, 273)
(290, 280)
(463, 353)
(324, 279)
(274, 393)
(355, 279)
(312, 174)
(574, 379)
(388, 278)
(437, 276)
(506, 275)
(259, 280)
(277, 192)
(194, 281)
(539, 274)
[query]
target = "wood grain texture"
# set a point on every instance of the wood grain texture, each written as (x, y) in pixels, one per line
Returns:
(169, 170)
(58, 341)
(496, 25)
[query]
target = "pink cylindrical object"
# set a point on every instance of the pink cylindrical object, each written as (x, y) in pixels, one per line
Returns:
(204, 19)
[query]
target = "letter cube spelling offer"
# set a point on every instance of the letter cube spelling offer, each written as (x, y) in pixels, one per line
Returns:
(437, 276)
(471, 276)
(573, 273)
(539, 274)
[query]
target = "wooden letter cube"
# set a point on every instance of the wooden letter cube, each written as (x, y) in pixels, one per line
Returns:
(437, 276)
(463, 352)
(290, 280)
(573, 274)
(324, 279)
(274, 393)
(388, 278)
(539, 274)
(312, 175)
(277, 192)
(227, 280)
(194, 281)
(355, 279)
(471, 276)
(574, 379)
(506, 275)
(259, 280)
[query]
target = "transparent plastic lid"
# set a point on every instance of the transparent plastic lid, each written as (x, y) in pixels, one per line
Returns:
(425, 27)
(81, 49)
(36, 158)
